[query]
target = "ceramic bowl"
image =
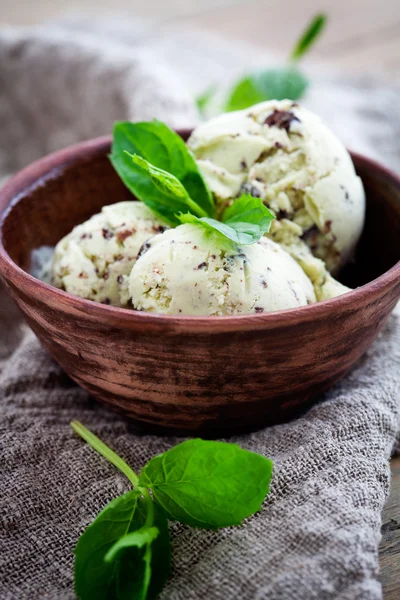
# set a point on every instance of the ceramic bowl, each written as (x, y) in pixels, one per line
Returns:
(204, 374)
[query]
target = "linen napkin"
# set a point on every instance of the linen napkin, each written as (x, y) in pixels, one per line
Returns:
(318, 533)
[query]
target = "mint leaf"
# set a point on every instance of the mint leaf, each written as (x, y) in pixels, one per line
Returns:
(309, 36)
(248, 209)
(93, 578)
(170, 195)
(216, 227)
(160, 549)
(141, 539)
(272, 84)
(127, 572)
(125, 553)
(159, 145)
(137, 539)
(244, 94)
(244, 222)
(208, 484)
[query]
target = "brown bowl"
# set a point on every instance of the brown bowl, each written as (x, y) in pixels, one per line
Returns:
(192, 373)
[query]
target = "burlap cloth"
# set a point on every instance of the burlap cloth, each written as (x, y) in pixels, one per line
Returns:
(317, 535)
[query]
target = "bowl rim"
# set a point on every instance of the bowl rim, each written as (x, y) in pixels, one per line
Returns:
(52, 165)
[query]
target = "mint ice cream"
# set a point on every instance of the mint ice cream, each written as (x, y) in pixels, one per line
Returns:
(192, 271)
(95, 259)
(286, 155)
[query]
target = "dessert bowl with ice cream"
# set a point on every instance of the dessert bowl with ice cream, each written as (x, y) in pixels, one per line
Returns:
(213, 280)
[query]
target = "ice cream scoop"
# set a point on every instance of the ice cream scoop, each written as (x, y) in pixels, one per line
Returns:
(95, 259)
(286, 155)
(193, 271)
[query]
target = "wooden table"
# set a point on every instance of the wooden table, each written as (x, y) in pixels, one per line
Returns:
(389, 550)
(362, 36)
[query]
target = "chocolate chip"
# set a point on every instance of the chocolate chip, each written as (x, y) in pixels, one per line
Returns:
(202, 265)
(258, 309)
(264, 283)
(107, 234)
(247, 188)
(346, 193)
(143, 249)
(310, 235)
(122, 235)
(278, 145)
(159, 228)
(83, 275)
(229, 264)
(282, 214)
(243, 165)
(327, 226)
(281, 119)
(120, 279)
(294, 291)
(106, 301)
(106, 275)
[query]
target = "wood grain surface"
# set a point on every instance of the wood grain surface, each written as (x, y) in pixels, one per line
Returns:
(363, 36)
(389, 550)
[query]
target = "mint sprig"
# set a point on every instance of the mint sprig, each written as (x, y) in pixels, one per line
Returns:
(282, 83)
(248, 210)
(244, 222)
(270, 84)
(208, 484)
(126, 551)
(163, 175)
(163, 148)
(309, 36)
(170, 196)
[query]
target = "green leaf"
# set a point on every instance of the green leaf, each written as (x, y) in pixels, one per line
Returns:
(244, 222)
(138, 539)
(141, 539)
(216, 227)
(159, 145)
(171, 197)
(309, 36)
(248, 209)
(272, 84)
(244, 94)
(92, 577)
(208, 484)
(127, 576)
(160, 551)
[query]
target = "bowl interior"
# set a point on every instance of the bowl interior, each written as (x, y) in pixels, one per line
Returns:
(71, 193)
